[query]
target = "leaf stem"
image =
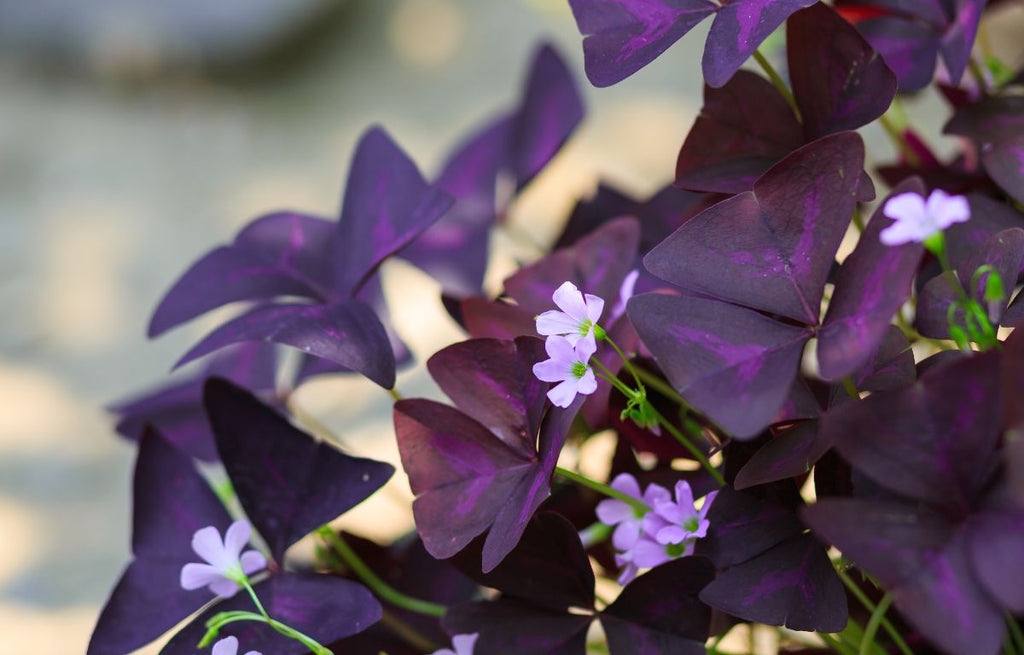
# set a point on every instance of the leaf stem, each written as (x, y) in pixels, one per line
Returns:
(395, 394)
(696, 452)
(374, 582)
(638, 505)
(863, 599)
(776, 79)
(868, 640)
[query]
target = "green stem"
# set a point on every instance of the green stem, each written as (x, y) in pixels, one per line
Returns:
(696, 452)
(858, 220)
(252, 594)
(662, 387)
(863, 599)
(371, 580)
(625, 361)
(778, 82)
(283, 628)
(851, 388)
(897, 139)
(408, 634)
(1015, 633)
(872, 626)
(836, 645)
(594, 534)
(395, 394)
(638, 505)
(979, 75)
(606, 374)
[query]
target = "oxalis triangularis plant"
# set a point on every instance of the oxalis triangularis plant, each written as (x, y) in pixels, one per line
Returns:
(865, 496)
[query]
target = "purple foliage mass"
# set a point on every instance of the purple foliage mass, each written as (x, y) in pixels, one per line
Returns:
(831, 387)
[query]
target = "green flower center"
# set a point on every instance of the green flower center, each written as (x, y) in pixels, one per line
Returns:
(691, 524)
(579, 369)
(585, 326)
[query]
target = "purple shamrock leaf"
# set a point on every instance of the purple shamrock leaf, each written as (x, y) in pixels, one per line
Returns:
(659, 612)
(324, 607)
(873, 283)
(623, 36)
(744, 526)
(988, 216)
(771, 248)
(467, 476)
(176, 411)
(387, 204)
(997, 126)
(288, 484)
(720, 356)
(346, 332)
(910, 34)
(743, 128)
(517, 144)
(172, 502)
(792, 584)
(934, 547)
(839, 81)
(514, 627)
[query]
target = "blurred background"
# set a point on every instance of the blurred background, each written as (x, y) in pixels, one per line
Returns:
(137, 134)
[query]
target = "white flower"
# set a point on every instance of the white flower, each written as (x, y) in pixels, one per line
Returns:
(229, 646)
(568, 365)
(227, 566)
(463, 645)
(917, 219)
(578, 317)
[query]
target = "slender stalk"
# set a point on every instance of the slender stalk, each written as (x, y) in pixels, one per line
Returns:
(851, 388)
(697, 454)
(407, 633)
(776, 79)
(863, 599)
(395, 394)
(625, 361)
(662, 387)
(868, 640)
(1015, 633)
(374, 582)
(897, 139)
(979, 75)
(594, 534)
(283, 628)
(255, 599)
(638, 505)
(836, 645)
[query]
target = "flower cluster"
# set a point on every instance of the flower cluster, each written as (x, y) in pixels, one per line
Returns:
(657, 528)
(570, 344)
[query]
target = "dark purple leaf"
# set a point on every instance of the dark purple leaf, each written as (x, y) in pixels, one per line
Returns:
(790, 453)
(995, 541)
(496, 319)
(909, 48)
(1003, 251)
(839, 81)
(623, 36)
(921, 557)
(934, 440)
(738, 30)
(171, 502)
(346, 332)
(176, 411)
(772, 248)
(324, 607)
(492, 382)
(744, 526)
(387, 205)
(513, 627)
(743, 128)
(793, 584)
(547, 568)
(721, 357)
(467, 478)
(550, 110)
(288, 483)
(873, 283)
(659, 613)
(997, 125)
(988, 217)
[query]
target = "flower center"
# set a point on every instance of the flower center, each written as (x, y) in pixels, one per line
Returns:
(579, 369)
(691, 524)
(585, 326)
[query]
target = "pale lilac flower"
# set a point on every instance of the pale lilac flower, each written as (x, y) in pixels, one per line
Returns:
(463, 645)
(629, 520)
(644, 553)
(227, 566)
(917, 219)
(677, 525)
(229, 646)
(568, 365)
(578, 317)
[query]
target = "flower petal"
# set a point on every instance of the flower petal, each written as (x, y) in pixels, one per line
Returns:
(587, 384)
(556, 322)
(196, 576)
(612, 511)
(905, 207)
(946, 210)
(627, 484)
(594, 305)
(570, 300)
(224, 588)
(626, 535)
(464, 643)
(253, 561)
(236, 538)
(684, 495)
(552, 370)
(207, 544)
(226, 646)
(563, 394)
